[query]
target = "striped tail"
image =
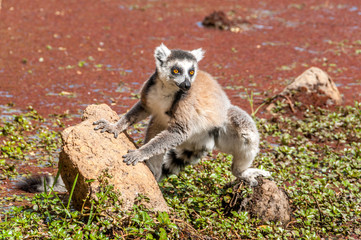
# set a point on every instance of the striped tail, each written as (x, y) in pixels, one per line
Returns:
(37, 184)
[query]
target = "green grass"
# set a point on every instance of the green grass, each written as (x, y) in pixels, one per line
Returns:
(316, 159)
(26, 138)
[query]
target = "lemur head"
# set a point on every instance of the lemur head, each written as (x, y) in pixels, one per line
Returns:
(177, 68)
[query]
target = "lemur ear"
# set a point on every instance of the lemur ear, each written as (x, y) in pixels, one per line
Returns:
(198, 54)
(161, 53)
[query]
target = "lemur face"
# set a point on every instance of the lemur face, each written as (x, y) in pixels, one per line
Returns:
(177, 68)
(182, 72)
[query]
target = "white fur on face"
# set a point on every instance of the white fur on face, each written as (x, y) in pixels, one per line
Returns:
(186, 66)
(165, 64)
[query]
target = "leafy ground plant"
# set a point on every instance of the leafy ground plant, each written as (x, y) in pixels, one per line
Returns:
(27, 138)
(315, 158)
(48, 217)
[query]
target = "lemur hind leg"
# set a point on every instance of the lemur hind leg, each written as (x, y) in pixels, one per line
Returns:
(188, 153)
(175, 160)
(241, 139)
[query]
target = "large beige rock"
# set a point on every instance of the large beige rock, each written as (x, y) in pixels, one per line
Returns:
(89, 153)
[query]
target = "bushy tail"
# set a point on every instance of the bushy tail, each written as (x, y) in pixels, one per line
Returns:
(36, 184)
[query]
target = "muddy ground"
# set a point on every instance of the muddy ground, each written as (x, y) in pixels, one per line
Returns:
(60, 56)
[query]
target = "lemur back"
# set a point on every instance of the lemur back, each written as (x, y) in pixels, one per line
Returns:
(190, 116)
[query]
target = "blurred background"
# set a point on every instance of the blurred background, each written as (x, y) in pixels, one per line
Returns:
(60, 56)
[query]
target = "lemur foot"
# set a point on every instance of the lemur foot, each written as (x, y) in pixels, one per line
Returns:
(133, 157)
(106, 126)
(250, 174)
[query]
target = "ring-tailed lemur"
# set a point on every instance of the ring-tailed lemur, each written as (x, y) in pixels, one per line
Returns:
(190, 115)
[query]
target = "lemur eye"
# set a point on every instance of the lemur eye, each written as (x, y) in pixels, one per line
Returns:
(175, 71)
(191, 72)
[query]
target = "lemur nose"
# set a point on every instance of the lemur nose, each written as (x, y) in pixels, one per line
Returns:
(185, 85)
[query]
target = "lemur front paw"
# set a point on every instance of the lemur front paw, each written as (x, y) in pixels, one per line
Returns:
(133, 157)
(251, 174)
(106, 126)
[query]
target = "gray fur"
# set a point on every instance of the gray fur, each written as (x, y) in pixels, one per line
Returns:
(44, 183)
(181, 55)
(186, 121)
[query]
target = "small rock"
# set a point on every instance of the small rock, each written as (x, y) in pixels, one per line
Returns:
(314, 80)
(313, 87)
(219, 20)
(267, 202)
(89, 153)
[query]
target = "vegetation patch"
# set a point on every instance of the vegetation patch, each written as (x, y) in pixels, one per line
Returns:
(315, 158)
(27, 139)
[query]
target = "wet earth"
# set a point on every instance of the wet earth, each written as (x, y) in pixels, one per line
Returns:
(60, 56)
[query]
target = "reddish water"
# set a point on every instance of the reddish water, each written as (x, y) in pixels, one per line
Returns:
(102, 51)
